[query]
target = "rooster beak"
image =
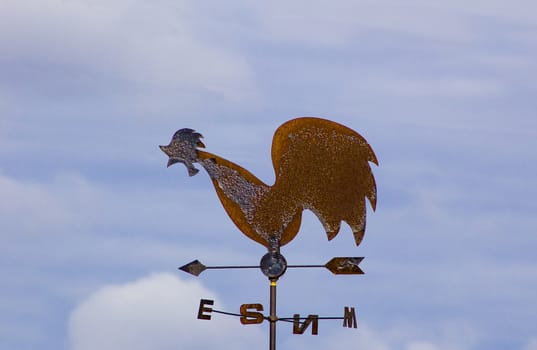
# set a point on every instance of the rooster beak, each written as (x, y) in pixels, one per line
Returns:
(171, 161)
(200, 144)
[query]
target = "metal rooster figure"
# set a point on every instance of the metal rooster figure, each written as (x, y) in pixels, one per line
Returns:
(319, 165)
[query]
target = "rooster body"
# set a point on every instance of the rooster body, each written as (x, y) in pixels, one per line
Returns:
(319, 165)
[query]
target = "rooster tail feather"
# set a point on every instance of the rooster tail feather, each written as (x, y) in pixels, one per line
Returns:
(324, 167)
(371, 193)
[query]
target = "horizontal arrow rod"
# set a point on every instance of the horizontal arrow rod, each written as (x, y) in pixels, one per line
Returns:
(257, 266)
(226, 313)
(292, 319)
(284, 319)
(232, 267)
(338, 266)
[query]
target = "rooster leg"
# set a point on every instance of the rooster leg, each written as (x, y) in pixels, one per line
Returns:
(274, 245)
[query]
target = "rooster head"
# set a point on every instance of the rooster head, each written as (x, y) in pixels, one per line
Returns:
(182, 149)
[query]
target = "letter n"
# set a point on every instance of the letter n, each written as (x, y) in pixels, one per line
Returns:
(301, 328)
(349, 318)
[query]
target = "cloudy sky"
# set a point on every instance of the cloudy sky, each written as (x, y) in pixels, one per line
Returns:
(93, 226)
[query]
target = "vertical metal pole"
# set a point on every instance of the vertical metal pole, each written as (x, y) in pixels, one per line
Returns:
(272, 318)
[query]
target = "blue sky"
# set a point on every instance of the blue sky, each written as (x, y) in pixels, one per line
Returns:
(93, 225)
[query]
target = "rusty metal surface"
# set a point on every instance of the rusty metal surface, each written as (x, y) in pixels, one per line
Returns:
(319, 165)
(204, 312)
(300, 327)
(250, 314)
(345, 266)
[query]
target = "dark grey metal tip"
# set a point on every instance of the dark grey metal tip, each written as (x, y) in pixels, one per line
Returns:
(194, 268)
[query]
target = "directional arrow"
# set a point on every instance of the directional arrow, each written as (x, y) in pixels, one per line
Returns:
(194, 268)
(337, 265)
(345, 266)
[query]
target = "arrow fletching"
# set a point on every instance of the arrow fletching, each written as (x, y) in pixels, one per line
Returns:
(345, 266)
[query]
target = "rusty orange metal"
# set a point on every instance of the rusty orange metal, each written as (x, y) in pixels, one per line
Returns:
(319, 165)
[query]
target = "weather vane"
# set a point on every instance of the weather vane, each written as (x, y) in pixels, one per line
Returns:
(319, 165)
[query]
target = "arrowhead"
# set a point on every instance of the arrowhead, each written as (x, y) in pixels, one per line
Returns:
(194, 268)
(345, 266)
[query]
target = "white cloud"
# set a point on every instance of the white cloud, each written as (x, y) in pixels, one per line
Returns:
(69, 219)
(28, 207)
(532, 344)
(337, 23)
(515, 11)
(364, 337)
(66, 203)
(435, 87)
(70, 200)
(408, 336)
(421, 346)
(135, 41)
(157, 312)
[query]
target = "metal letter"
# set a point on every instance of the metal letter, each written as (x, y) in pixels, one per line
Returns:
(301, 328)
(251, 317)
(201, 311)
(349, 318)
